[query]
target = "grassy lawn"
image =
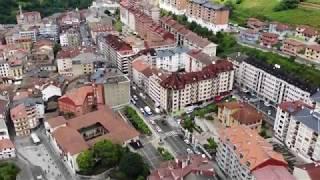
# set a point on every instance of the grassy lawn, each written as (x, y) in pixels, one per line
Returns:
(263, 9)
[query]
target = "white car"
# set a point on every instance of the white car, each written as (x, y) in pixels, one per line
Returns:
(267, 104)
(158, 129)
(189, 151)
(134, 88)
(135, 97)
(142, 111)
(133, 101)
(142, 95)
(152, 122)
(187, 141)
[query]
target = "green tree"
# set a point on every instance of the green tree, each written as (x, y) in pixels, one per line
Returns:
(8, 171)
(109, 154)
(56, 49)
(133, 166)
(86, 161)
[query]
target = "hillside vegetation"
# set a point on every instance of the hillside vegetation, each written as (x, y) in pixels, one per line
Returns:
(264, 9)
(9, 8)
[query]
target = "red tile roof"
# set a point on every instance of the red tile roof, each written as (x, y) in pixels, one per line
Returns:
(139, 65)
(18, 112)
(6, 143)
(182, 167)
(179, 80)
(292, 106)
(313, 169)
(70, 140)
(315, 47)
(77, 96)
(73, 52)
(272, 173)
(293, 42)
(243, 112)
(202, 57)
(56, 121)
(116, 43)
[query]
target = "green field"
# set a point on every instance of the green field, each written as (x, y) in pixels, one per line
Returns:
(263, 9)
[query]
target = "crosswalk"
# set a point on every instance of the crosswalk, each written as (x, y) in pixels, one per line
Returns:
(170, 133)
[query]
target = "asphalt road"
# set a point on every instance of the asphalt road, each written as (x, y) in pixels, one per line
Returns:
(151, 155)
(177, 145)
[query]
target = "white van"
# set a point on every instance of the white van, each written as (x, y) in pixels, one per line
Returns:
(35, 139)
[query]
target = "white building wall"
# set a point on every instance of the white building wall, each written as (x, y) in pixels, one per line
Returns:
(7, 153)
(4, 70)
(50, 91)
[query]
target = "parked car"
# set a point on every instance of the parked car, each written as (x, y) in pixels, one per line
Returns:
(187, 141)
(133, 101)
(142, 95)
(152, 122)
(158, 129)
(135, 97)
(189, 151)
(157, 110)
(142, 111)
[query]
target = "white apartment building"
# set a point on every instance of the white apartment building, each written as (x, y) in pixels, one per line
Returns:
(182, 89)
(4, 133)
(70, 38)
(50, 30)
(140, 72)
(172, 59)
(303, 134)
(116, 51)
(4, 68)
(242, 152)
(32, 34)
(271, 83)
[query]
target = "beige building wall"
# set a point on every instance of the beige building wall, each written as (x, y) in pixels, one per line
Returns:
(117, 94)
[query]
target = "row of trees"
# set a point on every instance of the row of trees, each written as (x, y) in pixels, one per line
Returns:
(136, 121)
(105, 155)
(286, 5)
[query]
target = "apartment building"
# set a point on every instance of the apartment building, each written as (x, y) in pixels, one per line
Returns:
(70, 19)
(28, 18)
(271, 83)
(292, 47)
(71, 137)
(307, 33)
(81, 100)
(172, 59)
(196, 60)
(178, 7)
(137, 21)
(242, 154)
(117, 91)
(303, 134)
(283, 116)
(4, 68)
(179, 90)
(70, 38)
(84, 63)
(4, 133)
(239, 113)
(256, 24)
(24, 118)
(116, 51)
(187, 38)
(50, 30)
(155, 90)
(98, 29)
(269, 39)
(312, 52)
(65, 59)
(249, 36)
(213, 16)
(141, 71)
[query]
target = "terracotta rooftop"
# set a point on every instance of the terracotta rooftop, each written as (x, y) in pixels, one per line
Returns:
(243, 112)
(77, 96)
(255, 151)
(293, 42)
(73, 52)
(56, 121)
(292, 106)
(18, 112)
(139, 64)
(6, 143)
(315, 47)
(118, 130)
(202, 57)
(70, 140)
(182, 167)
(313, 169)
(179, 80)
(273, 173)
(116, 43)
(269, 35)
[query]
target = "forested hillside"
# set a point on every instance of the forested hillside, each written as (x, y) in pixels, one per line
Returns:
(9, 8)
